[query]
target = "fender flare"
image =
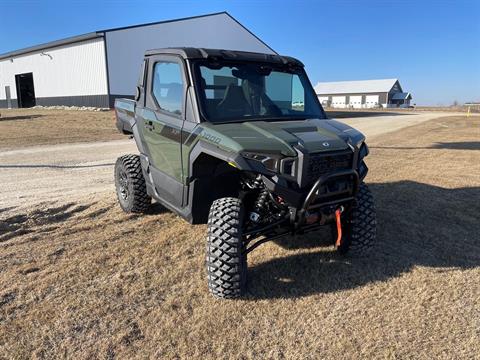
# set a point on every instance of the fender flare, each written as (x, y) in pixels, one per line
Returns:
(203, 147)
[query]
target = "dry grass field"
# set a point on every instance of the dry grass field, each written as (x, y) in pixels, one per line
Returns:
(27, 127)
(84, 280)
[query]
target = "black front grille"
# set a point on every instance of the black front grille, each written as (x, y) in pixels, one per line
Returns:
(324, 163)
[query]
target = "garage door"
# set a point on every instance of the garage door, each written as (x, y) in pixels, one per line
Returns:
(355, 101)
(323, 100)
(371, 101)
(338, 101)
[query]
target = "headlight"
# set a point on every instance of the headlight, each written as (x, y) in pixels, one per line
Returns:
(270, 161)
(362, 167)
(363, 151)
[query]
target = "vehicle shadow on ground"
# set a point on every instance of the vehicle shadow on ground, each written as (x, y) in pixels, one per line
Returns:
(20, 117)
(156, 208)
(418, 225)
(338, 114)
(25, 223)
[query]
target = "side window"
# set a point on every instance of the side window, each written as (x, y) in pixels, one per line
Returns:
(168, 86)
(298, 94)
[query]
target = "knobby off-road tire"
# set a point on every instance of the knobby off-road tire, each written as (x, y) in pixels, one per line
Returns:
(130, 185)
(361, 227)
(226, 260)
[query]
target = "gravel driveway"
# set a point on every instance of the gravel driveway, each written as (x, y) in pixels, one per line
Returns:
(32, 175)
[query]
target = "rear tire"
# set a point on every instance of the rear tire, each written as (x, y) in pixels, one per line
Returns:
(130, 185)
(361, 226)
(226, 260)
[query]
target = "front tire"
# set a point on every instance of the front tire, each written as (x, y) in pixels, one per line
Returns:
(226, 259)
(361, 225)
(130, 185)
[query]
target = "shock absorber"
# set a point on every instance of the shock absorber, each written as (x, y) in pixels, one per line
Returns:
(257, 184)
(261, 200)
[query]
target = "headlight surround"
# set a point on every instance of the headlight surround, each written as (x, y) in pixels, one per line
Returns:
(270, 161)
(362, 167)
(364, 151)
(274, 163)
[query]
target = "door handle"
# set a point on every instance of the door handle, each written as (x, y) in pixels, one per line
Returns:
(149, 125)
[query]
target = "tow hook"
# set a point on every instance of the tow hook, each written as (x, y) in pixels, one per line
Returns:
(338, 214)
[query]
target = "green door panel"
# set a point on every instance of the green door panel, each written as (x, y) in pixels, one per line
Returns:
(164, 143)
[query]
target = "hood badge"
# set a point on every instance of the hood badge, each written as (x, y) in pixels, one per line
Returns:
(326, 144)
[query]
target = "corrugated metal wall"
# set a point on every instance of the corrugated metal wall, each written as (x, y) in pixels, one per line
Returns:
(126, 48)
(71, 70)
(355, 100)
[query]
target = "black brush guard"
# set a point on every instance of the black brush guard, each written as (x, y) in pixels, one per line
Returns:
(313, 201)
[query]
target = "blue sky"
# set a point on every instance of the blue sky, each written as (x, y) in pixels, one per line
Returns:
(433, 47)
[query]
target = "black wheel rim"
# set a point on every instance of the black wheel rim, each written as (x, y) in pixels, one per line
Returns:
(123, 185)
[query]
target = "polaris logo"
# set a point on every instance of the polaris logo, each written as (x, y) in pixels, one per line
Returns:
(326, 144)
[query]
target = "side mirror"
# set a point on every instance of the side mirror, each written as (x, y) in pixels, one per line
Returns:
(138, 93)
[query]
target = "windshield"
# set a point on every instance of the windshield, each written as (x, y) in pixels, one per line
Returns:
(246, 92)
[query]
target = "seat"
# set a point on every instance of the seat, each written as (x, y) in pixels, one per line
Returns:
(234, 103)
(259, 102)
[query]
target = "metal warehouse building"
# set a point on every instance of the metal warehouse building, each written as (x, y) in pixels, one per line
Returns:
(95, 68)
(386, 93)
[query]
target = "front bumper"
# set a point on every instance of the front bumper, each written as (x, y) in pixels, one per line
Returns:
(323, 189)
(318, 199)
(321, 196)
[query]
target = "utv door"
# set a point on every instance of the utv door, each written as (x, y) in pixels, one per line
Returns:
(162, 122)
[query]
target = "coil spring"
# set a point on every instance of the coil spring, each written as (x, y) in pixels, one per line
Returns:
(257, 184)
(261, 200)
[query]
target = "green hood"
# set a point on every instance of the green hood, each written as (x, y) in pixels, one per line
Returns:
(280, 136)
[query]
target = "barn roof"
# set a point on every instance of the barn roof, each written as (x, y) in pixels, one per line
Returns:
(101, 33)
(355, 87)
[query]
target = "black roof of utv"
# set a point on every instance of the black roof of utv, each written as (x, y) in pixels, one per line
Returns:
(231, 55)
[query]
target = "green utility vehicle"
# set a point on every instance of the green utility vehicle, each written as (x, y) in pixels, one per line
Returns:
(239, 141)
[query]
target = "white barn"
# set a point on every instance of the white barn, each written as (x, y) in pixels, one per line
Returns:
(95, 68)
(385, 93)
